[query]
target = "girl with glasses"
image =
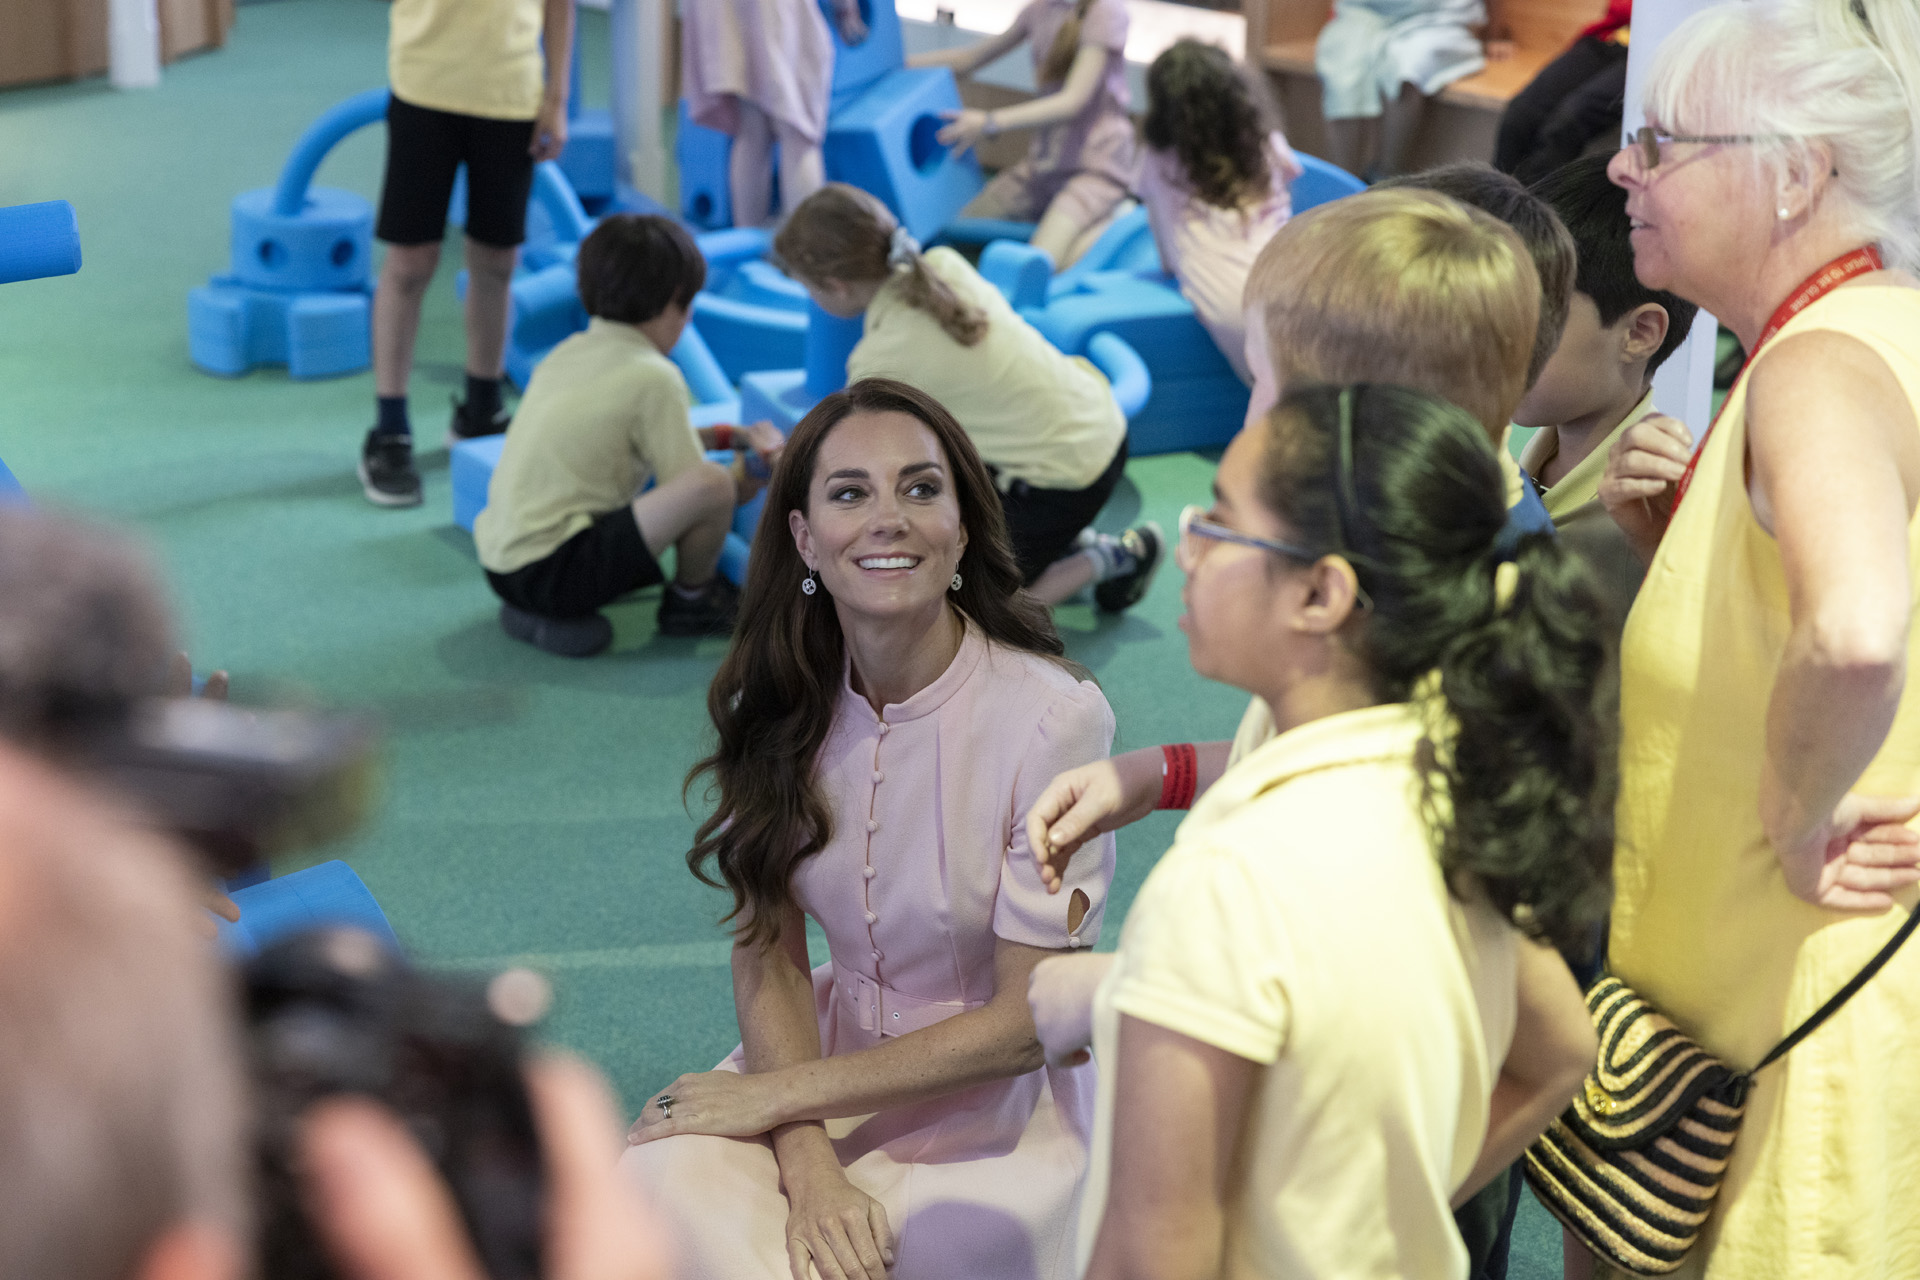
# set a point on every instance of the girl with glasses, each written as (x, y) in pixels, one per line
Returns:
(1331, 1018)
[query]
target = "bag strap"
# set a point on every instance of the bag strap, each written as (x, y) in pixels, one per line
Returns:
(1844, 994)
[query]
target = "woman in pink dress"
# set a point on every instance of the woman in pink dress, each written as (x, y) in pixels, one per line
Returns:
(1214, 182)
(762, 71)
(891, 706)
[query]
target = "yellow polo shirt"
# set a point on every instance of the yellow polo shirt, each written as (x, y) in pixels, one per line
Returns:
(473, 57)
(1301, 922)
(1033, 413)
(603, 413)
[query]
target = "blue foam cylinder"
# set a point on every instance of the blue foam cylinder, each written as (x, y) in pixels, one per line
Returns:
(746, 338)
(328, 894)
(830, 340)
(697, 365)
(1320, 182)
(1019, 271)
(38, 240)
(321, 137)
(325, 244)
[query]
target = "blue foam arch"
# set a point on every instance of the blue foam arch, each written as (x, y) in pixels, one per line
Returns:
(1125, 370)
(321, 137)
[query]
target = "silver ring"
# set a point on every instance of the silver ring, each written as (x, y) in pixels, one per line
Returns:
(665, 1103)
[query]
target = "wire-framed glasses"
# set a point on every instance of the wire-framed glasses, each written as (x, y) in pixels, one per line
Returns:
(1196, 530)
(1648, 140)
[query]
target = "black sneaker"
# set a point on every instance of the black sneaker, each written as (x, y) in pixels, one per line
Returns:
(386, 470)
(567, 637)
(710, 613)
(1147, 545)
(467, 426)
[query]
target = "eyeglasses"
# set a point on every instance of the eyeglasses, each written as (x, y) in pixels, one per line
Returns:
(1648, 141)
(1196, 529)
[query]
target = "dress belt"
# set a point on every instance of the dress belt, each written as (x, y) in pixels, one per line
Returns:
(881, 1009)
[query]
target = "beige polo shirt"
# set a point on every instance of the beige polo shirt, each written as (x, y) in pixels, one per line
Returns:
(473, 57)
(1034, 413)
(1301, 922)
(604, 413)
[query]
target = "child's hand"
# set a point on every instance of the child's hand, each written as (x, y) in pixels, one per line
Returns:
(1060, 997)
(846, 16)
(765, 442)
(1643, 466)
(964, 129)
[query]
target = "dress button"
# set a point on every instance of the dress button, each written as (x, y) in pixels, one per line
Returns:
(879, 776)
(872, 918)
(870, 872)
(884, 726)
(876, 955)
(872, 826)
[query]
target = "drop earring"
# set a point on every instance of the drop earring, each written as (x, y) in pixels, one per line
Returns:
(955, 584)
(809, 584)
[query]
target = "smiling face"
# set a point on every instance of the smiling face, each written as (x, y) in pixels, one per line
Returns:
(882, 526)
(1701, 220)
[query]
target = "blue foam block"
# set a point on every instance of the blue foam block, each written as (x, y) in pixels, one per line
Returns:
(1019, 271)
(884, 142)
(326, 244)
(470, 465)
(779, 396)
(705, 198)
(231, 328)
(1320, 182)
(733, 559)
(38, 240)
(745, 337)
(855, 67)
(588, 160)
(328, 894)
(830, 341)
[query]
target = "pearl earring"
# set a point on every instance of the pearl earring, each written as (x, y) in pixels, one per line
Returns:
(808, 585)
(1785, 213)
(956, 582)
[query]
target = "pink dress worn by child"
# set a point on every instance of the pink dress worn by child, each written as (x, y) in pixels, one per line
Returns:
(1089, 161)
(775, 54)
(928, 866)
(1210, 250)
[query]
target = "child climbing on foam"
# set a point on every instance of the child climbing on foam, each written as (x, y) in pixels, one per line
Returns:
(566, 529)
(1214, 180)
(1380, 60)
(1082, 161)
(762, 71)
(1045, 423)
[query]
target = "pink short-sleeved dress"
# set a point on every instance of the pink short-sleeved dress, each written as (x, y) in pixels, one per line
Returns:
(928, 866)
(1210, 250)
(775, 54)
(1089, 160)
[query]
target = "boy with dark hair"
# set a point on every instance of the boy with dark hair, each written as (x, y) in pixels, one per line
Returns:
(566, 529)
(1600, 377)
(1552, 250)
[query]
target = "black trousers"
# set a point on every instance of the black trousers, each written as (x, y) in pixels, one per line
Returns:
(1576, 98)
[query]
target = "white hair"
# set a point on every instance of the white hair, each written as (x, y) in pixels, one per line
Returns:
(1843, 74)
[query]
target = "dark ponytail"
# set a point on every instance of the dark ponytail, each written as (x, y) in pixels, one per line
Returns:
(1519, 764)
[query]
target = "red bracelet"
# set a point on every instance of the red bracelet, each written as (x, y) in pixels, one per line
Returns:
(1178, 776)
(723, 436)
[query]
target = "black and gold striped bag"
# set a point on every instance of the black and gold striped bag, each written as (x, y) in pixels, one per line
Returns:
(1633, 1166)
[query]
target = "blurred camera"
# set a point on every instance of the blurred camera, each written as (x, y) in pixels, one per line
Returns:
(335, 1012)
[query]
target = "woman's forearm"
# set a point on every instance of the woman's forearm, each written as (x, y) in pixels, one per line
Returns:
(1833, 703)
(773, 993)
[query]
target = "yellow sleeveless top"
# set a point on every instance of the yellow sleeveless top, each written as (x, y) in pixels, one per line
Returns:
(1826, 1175)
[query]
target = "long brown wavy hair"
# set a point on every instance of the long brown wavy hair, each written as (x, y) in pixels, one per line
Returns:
(774, 698)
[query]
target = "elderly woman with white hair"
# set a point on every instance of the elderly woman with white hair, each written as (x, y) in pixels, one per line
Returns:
(1770, 763)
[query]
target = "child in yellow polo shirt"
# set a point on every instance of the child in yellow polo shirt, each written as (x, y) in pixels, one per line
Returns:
(472, 85)
(1045, 423)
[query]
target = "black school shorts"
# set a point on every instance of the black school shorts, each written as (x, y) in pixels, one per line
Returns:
(1043, 523)
(426, 147)
(594, 567)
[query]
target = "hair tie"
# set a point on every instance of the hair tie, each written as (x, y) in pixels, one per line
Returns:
(1506, 577)
(902, 248)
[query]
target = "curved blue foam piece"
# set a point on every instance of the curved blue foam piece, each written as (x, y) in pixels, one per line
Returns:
(746, 338)
(1118, 246)
(328, 894)
(546, 308)
(705, 378)
(732, 246)
(322, 136)
(759, 281)
(1125, 370)
(1320, 182)
(555, 195)
(830, 340)
(983, 230)
(1019, 271)
(38, 240)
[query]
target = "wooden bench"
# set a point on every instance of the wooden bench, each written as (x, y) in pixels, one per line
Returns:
(1465, 116)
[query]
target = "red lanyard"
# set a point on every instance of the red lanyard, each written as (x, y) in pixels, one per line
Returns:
(1824, 281)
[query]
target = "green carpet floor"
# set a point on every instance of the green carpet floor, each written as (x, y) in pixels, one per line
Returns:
(531, 808)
